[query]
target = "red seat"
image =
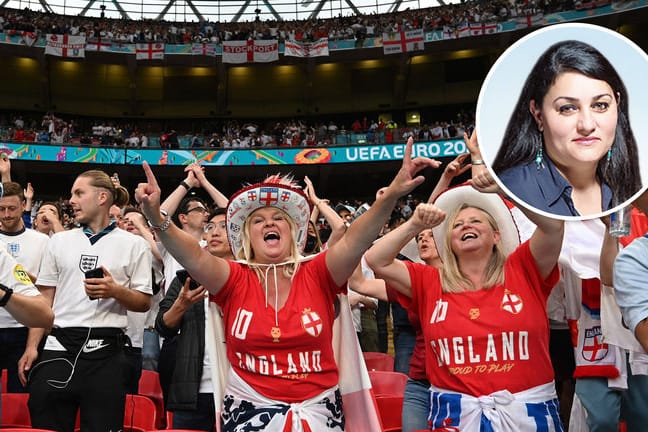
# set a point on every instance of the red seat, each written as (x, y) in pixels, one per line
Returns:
(140, 414)
(149, 386)
(378, 361)
(3, 380)
(390, 409)
(15, 412)
(27, 429)
(388, 383)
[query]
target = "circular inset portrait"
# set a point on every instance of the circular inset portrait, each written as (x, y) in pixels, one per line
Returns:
(560, 119)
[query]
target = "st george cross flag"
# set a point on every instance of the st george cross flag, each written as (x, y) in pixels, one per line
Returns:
(299, 49)
(28, 38)
(257, 51)
(529, 20)
(99, 44)
(149, 51)
(65, 45)
(403, 41)
(206, 49)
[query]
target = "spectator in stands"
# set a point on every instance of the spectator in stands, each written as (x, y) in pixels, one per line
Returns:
(181, 316)
(270, 240)
(82, 365)
(572, 94)
(144, 349)
(26, 247)
(48, 218)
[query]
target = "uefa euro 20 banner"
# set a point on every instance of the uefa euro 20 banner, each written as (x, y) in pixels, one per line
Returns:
(238, 157)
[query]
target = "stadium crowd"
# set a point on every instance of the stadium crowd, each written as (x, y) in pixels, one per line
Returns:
(338, 28)
(52, 129)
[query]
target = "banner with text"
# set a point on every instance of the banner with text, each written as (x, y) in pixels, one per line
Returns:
(403, 41)
(65, 45)
(239, 157)
(250, 51)
(300, 49)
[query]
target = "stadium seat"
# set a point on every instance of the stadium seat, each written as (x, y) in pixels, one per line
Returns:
(149, 386)
(390, 409)
(388, 383)
(140, 414)
(15, 412)
(378, 361)
(26, 429)
(3, 379)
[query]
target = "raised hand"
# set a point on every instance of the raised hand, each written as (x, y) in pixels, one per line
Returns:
(406, 179)
(29, 192)
(456, 167)
(195, 175)
(148, 196)
(427, 215)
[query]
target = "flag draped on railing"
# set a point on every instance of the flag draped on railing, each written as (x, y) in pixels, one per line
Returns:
(65, 45)
(250, 51)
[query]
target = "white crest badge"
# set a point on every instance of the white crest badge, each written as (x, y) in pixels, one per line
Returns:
(511, 303)
(311, 322)
(88, 262)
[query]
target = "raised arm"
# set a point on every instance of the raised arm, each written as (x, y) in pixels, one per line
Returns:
(375, 288)
(5, 168)
(174, 199)
(345, 255)
(382, 255)
(338, 228)
(546, 240)
(452, 170)
(217, 196)
(211, 271)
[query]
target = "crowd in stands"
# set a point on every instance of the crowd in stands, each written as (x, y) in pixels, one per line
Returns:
(338, 28)
(230, 134)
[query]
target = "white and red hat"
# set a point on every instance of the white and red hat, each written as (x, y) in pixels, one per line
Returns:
(492, 203)
(275, 191)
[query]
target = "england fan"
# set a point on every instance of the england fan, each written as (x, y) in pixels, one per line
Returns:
(91, 275)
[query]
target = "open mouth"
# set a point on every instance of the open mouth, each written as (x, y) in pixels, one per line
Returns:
(271, 236)
(468, 236)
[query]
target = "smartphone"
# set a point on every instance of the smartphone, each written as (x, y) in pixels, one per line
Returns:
(182, 276)
(93, 274)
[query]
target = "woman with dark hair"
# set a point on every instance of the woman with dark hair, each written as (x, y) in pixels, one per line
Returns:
(568, 148)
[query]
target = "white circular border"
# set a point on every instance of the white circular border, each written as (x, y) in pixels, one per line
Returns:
(503, 84)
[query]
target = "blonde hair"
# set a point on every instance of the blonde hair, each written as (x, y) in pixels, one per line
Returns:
(99, 179)
(246, 253)
(452, 279)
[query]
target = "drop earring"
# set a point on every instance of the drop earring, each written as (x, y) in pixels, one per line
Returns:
(609, 155)
(538, 158)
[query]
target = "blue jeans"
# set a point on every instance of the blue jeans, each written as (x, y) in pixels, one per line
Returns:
(150, 350)
(606, 406)
(202, 418)
(403, 349)
(416, 405)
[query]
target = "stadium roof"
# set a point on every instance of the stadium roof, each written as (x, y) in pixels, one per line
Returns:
(221, 10)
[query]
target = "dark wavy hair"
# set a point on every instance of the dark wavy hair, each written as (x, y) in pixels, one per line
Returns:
(522, 137)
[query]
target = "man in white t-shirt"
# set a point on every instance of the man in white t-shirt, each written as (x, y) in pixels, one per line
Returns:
(83, 365)
(26, 246)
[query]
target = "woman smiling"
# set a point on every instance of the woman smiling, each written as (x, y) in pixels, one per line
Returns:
(568, 148)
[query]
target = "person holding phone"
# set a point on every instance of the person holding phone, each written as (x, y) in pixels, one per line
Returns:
(182, 315)
(83, 365)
